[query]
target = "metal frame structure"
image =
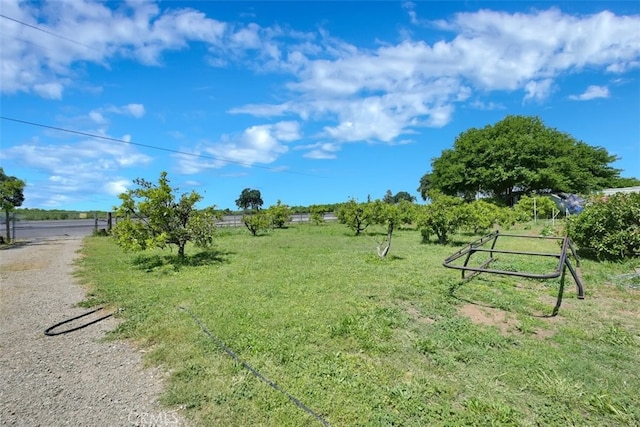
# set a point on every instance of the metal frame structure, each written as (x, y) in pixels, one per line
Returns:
(480, 246)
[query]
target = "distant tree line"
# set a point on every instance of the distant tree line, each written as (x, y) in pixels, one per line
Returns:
(32, 214)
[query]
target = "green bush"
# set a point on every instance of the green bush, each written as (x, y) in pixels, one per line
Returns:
(279, 214)
(608, 228)
(442, 217)
(527, 206)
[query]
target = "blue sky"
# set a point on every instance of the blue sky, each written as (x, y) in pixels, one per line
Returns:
(309, 102)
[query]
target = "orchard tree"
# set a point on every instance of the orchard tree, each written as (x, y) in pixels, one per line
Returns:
(317, 213)
(357, 216)
(250, 199)
(442, 217)
(481, 215)
(608, 227)
(529, 208)
(256, 222)
(279, 214)
(391, 216)
(518, 155)
(11, 196)
(155, 217)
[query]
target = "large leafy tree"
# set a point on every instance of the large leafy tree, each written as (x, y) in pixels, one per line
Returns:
(11, 196)
(155, 216)
(250, 199)
(399, 196)
(518, 155)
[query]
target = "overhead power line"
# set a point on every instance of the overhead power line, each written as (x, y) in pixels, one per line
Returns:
(47, 31)
(152, 147)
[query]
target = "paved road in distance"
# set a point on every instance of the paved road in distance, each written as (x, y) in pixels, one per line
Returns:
(27, 230)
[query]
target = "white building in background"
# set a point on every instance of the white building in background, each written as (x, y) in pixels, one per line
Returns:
(612, 191)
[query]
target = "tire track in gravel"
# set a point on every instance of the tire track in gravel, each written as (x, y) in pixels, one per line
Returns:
(74, 379)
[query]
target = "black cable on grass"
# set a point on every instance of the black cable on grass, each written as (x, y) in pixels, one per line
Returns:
(49, 332)
(253, 370)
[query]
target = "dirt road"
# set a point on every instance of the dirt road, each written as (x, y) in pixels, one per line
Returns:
(72, 379)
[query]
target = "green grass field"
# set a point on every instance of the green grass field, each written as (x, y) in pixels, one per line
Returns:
(369, 342)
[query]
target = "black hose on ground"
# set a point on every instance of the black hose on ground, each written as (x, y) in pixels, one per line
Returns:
(254, 371)
(49, 331)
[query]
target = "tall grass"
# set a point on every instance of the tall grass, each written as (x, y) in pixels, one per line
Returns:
(364, 341)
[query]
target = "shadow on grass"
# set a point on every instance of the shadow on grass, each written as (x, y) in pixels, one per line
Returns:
(454, 287)
(207, 257)
(451, 242)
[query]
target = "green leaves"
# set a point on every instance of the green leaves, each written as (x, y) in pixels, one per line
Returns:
(279, 214)
(357, 216)
(609, 227)
(250, 199)
(11, 191)
(518, 155)
(443, 216)
(153, 217)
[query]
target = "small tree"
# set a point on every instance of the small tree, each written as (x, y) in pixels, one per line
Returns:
(529, 208)
(391, 216)
(11, 196)
(443, 216)
(153, 217)
(608, 227)
(317, 213)
(250, 199)
(357, 216)
(279, 214)
(256, 222)
(481, 216)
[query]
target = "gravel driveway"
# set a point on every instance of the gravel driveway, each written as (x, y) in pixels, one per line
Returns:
(73, 379)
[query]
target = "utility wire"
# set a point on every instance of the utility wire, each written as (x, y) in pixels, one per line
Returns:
(47, 32)
(152, 147)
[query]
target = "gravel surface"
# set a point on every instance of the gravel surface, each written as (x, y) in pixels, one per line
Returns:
(73, 379)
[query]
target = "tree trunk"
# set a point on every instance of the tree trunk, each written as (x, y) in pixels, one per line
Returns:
(181, 250)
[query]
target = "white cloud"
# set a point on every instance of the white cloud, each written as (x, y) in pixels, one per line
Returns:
(49, 90)
(75, 170)
(592, 92)
(538, 90)
(384, 93)
(487, 106)
(116, 187)
(98, 115)
(359, 94)
(42, 61)
(136, 110)
(261, 144)
(323, 150)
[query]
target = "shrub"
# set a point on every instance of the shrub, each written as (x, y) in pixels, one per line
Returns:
(442, 217)
(608, 228)
(481, 216)
(279, 214)
(526, 206)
